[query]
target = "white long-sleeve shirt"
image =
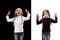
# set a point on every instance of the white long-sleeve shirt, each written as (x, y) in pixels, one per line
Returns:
(18, 22)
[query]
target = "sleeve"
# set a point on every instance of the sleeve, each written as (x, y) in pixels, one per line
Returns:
(9, 20)
(27, 18)
(54, 21)
(38, 22)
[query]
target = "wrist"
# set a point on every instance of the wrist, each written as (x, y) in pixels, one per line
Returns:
(27, 12)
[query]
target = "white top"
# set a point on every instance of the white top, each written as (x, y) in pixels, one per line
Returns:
(18, 22)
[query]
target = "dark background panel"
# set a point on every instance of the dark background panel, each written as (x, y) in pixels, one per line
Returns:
(7, 29)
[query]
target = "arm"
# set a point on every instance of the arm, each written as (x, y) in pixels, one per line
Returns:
(38, 22)
(28, 17)
(9, 20)
(7, 17)
(54, 21)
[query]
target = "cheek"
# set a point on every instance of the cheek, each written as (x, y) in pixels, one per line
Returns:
(44, 14)
(20, 11)
(48, 14)
(16, 11)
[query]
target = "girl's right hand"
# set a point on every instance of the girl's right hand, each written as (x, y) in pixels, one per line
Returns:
(8, 13)
(37, 15)
(55, 14)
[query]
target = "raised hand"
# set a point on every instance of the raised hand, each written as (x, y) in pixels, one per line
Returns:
(26, 11)
(37, 15)
(55, 14)
(8, 13)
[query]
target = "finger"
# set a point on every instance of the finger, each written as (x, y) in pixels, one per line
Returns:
(9, 10)
(25, 9)
(37, 15)
(55, 14)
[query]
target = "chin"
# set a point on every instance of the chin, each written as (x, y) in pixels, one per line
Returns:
(18, 15)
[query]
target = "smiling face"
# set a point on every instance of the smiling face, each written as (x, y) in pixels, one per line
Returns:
(18, 12)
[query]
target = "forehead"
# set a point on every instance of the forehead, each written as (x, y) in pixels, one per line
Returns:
(18, 9)
(45, 11)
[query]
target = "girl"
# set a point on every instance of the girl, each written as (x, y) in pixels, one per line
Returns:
(46, 22)
(18, 21)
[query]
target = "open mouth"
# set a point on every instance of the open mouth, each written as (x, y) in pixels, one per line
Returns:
(18, 12)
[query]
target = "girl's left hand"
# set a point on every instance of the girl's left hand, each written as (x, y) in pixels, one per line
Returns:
(26, 11)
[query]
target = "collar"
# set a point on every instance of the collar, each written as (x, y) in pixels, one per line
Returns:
(45, 17)
(19, 16)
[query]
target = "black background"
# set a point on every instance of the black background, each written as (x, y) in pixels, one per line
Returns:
(7, 29)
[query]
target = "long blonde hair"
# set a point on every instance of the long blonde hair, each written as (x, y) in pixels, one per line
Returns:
(15, 14)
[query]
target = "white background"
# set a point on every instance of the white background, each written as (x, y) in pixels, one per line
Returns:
(37, 6)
